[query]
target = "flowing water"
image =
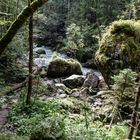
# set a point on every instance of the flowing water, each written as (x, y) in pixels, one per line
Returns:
(44, 60)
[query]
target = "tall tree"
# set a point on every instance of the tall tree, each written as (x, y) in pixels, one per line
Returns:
(28, 100)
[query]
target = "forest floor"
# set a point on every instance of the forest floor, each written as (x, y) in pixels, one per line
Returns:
(8, 102)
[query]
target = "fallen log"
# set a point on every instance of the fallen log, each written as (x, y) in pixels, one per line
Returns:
(20, 85)
(14, 88)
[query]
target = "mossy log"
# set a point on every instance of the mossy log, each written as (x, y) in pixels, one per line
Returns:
(18, 23)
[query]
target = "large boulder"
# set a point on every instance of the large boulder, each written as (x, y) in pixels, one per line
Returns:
(74, 81)
(92, 80)
(60, 67)
(119, 48)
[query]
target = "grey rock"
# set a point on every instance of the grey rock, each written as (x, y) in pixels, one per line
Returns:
(74, 81)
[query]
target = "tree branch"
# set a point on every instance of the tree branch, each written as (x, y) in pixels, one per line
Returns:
(18, 23)
(14, 88)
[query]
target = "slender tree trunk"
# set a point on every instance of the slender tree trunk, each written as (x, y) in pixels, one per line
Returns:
(17, 24)
(135, 113)
(28, 100)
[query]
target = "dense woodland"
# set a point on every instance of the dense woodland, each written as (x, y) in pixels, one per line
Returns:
(69, 69)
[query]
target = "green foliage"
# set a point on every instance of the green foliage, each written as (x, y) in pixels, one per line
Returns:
(125, 88)
(11, 136)
(74, 42)
(51, 120)
(51, 128)
(119, 132)
(125, 84)
(24, 118)
(72, 25)
(3, 22)
(11, 70)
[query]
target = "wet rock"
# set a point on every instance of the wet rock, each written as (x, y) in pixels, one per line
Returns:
(102, 84)
(41, 62)
(58, 80)
(60, 91)
(42, 56)
(40, 51)
(75, 94)
(35, 55)
(62, 96)
(60, 86)
(50, 85)
(43, 97)
(43, 72)
(60, 67)
(91, 81)
(74, 81)
(104, 92)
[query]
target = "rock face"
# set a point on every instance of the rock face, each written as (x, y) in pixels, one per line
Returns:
(60, 67)
(91, 81)
(119, 48)
(74, 81)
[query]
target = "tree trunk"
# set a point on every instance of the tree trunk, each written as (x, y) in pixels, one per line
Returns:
(135, 113)
(28, 100)
(17, 24)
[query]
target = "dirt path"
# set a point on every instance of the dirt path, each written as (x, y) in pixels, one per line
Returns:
(4, 115)
(4, 111)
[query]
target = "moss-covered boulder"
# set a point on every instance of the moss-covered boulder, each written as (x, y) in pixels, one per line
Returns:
(119, 48)
(60, 67)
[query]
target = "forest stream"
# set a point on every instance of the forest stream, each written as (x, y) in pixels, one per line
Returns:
(44, 60)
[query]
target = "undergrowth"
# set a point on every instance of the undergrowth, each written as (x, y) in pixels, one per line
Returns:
(50, 120)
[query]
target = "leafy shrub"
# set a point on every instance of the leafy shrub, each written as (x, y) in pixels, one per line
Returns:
(49, 121)
(125, 87)
(51, 128)
(11, 136)
(24, 118)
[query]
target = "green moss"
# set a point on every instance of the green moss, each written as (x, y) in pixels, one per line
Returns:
(120, 47)
(123, 27)
(124, 34)
(58, 59)
(60, 67)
